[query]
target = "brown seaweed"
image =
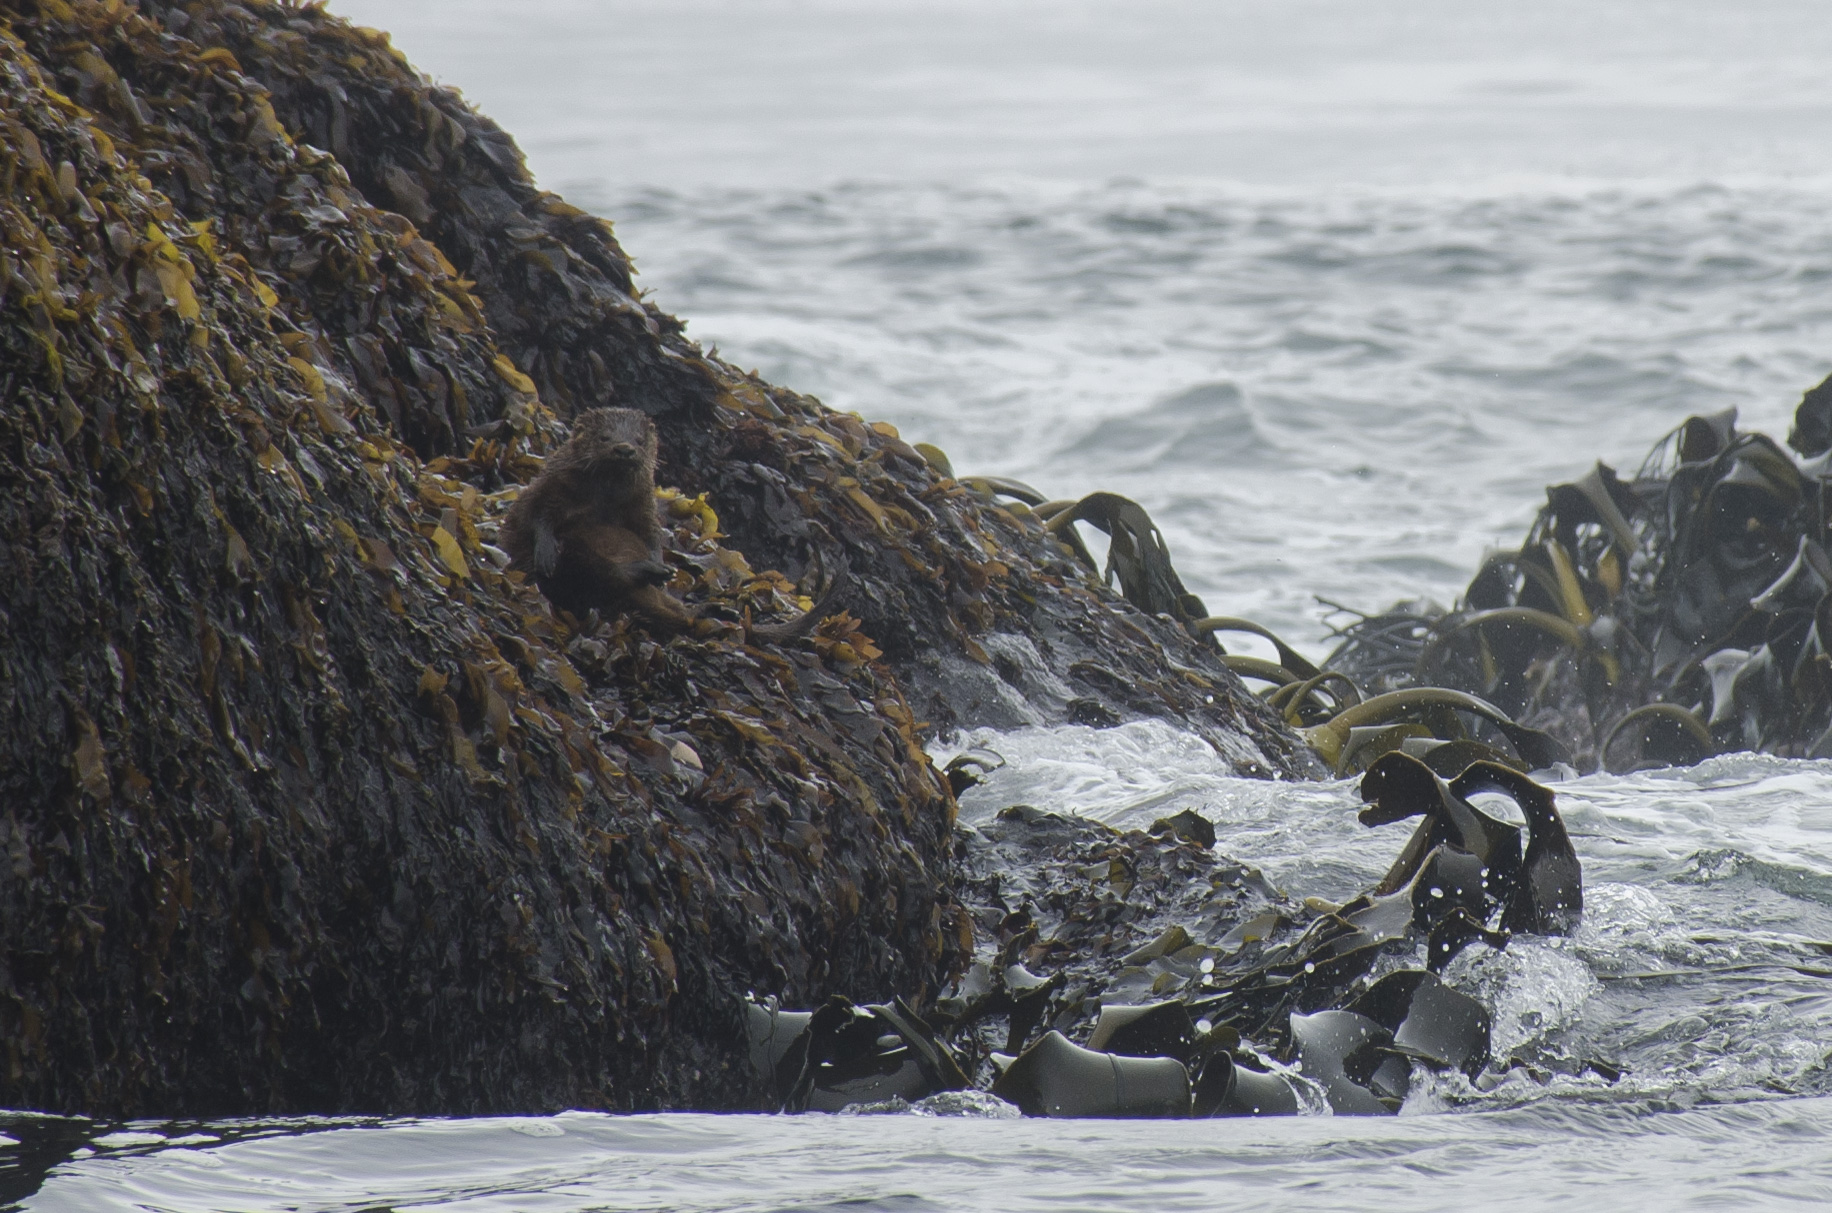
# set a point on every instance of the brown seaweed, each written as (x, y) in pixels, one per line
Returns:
(313, 804)
(1653, 620)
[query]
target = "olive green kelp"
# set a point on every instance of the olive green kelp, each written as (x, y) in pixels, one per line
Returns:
(1661, 619)
(309, 805)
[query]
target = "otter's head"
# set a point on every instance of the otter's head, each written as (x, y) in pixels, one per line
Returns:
(620, 440)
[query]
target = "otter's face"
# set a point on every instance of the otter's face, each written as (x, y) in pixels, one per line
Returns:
(619, 461)
(623, 439)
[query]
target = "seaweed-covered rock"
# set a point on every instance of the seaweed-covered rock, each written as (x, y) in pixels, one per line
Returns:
(1071, 914)
(309, 804)
(975, 605)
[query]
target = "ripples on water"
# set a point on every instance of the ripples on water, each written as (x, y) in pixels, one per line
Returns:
(1732, 1157)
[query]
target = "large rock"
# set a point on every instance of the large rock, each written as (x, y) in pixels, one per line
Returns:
(310, 807)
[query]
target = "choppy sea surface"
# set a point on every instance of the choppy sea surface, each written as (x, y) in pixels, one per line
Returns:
(1335, 289)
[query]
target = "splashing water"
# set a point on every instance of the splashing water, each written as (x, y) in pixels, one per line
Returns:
(1704, 963)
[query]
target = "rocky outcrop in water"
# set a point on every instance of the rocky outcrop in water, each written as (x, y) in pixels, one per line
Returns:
(1133, 974)
(311, 806)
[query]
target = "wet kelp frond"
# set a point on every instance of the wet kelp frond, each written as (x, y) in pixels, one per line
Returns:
(313, 806)
(1655, 620)
(1125, 974)
(1344, 726)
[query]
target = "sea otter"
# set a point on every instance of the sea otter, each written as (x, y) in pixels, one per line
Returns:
(587, 532)
(604, 474)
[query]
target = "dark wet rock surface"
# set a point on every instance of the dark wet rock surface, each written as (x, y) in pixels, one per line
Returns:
(311, 806)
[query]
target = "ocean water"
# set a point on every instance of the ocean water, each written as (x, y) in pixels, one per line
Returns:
(1703, 970)
(1335, 289)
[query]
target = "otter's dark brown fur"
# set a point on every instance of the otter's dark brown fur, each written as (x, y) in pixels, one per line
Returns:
(607, 566)
(586, 530)
(604, 472)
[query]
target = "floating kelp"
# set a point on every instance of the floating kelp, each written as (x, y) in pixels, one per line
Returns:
(1229, 1087)
(1648, 621)
(1433, 707)
(1346, 1054)
(842, 1054)
(1136, 552)
(1106, 985)
(1661, 734)
(1058, 1078)
(1430, 1023)
(1344, 726)
(1157, 1029)
(1538, 889)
